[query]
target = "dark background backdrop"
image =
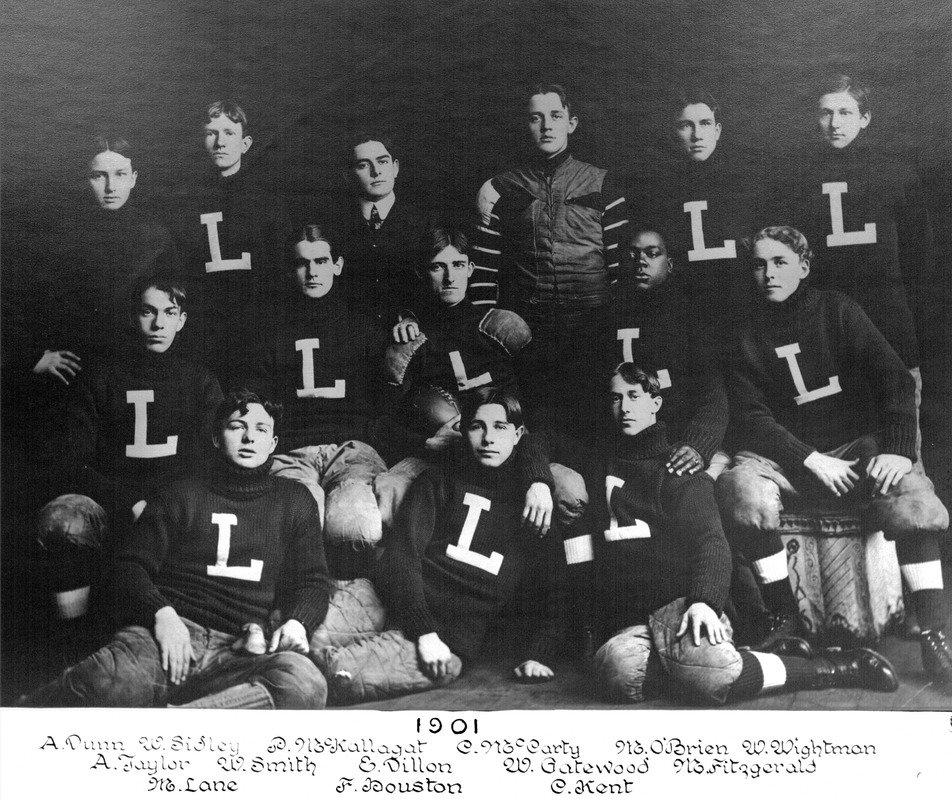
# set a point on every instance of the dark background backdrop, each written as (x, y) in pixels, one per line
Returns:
(446, 78)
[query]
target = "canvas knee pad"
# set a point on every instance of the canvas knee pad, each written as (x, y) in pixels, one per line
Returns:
(351, 514)
(701, 673)
(621, 665)
(381, 666)
(748, 500)
(910, 507)
(354, 612)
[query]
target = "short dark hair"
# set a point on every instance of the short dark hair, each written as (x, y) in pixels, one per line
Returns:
(785, 234)
(692, 95)
(368, 136)
(636, 375)
(844, 83)
(436, 240)
(239, 400)
(309, 232)
(551, 88)
(230, 109)
(170, 286)
(488, 396)
(108, 143)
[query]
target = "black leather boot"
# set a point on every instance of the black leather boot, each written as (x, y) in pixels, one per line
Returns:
(791, 646)
(857, 669)
(937, 657)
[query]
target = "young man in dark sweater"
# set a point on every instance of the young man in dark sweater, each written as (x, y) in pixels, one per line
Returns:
(324, 364)
(447, 340)
(701, 198)
(133, 425)
(652, 325)
(455, 560)
(550, 231)
(229, 231)
(210, 554)
(451, 343)
(825, 412)
(659, 568)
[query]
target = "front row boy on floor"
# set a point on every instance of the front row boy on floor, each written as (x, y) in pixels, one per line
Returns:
(210, 554)
(825, 412)
(454, 561)
(652, 551)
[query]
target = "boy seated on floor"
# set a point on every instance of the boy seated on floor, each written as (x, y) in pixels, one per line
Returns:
(655, 324)
(455, 560)
(653, 555)
(133, 424)
(825, 413)
(210, 553)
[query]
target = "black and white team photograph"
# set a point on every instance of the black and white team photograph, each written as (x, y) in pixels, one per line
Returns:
(476, 356)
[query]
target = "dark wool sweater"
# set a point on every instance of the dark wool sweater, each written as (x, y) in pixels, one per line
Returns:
(379, 275)
(887, 270)
(658, 331)
(136, 424)
(550, 233)
(654, 537)
(233, 305)
(458, 554)
(456, 353)
(324, 365)
(77, 294)
(710, 261)
(835, 346)
(224, 549)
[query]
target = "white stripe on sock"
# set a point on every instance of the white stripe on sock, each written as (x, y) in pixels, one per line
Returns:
(578, 550)
(772, 568)
(775, 673)
(926, 575)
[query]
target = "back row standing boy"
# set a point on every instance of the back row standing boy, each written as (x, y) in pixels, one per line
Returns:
(552, 229)
(229, 232)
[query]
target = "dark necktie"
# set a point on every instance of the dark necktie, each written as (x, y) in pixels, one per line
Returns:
(375, 222)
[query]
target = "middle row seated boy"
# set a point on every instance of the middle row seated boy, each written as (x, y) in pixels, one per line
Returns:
(132, 425)
(340, 429)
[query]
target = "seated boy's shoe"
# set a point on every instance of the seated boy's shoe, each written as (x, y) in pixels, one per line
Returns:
(857, 669)
(778, 627)
(937, 657)
(792, 646)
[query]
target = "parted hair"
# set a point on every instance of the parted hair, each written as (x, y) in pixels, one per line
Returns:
(308, 232)
(785, 234)
(636, 375)
(487, 396)
(436, 240)
(230, 109)
(108, 143)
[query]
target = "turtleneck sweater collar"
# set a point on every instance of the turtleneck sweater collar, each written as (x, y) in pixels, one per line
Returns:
(232, 480)
(649, 443)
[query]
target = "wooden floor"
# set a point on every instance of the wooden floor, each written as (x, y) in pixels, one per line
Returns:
(489, 687)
